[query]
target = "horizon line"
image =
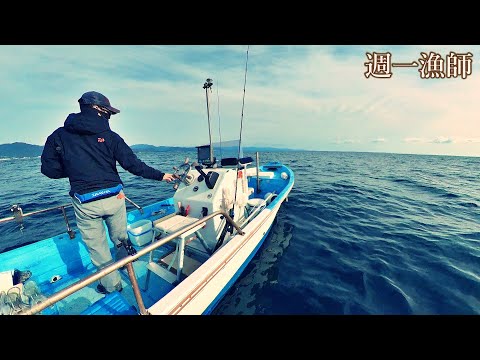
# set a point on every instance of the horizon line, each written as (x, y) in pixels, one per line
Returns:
(292, 149)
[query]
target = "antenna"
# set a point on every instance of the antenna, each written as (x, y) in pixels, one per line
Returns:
(208, 84)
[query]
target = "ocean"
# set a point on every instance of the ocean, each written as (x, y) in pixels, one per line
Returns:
(361, 233)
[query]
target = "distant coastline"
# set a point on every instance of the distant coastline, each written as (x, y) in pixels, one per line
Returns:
(24, 150)
(20, 149)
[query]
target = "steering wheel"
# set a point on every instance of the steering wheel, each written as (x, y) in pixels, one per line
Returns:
(181, 174)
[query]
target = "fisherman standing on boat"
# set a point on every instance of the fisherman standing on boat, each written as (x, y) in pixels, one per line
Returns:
(86, 151)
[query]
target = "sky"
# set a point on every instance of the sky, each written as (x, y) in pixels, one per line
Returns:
(309, 97)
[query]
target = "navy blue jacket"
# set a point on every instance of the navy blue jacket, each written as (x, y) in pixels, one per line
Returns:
(86, 151)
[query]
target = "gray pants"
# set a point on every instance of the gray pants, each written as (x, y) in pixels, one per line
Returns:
(90, 221)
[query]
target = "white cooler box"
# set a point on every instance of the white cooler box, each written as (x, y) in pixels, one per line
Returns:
(140, 232)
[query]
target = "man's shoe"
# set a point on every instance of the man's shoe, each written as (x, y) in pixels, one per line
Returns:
(101, 289)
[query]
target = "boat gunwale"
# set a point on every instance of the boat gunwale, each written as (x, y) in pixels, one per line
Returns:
(180, 300)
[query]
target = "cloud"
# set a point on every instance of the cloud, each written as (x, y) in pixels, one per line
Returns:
(442, 140)
(469, 140)
(346, 141)
(416, 140)
(299, 96)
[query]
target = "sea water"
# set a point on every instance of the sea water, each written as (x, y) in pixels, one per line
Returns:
(361, 233)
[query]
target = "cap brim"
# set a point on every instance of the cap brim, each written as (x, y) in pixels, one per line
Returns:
(112, 110)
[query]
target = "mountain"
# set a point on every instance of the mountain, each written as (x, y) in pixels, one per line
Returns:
(263, 148)
(19, 149)
(216, 147)
(146, 147)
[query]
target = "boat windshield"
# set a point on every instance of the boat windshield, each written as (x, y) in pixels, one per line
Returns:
(220, 150)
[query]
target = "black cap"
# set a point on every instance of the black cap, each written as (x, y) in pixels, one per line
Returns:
(95, 98)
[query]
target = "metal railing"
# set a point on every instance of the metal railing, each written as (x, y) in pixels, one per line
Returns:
(18, 210)
(18, 215)
(127, 261)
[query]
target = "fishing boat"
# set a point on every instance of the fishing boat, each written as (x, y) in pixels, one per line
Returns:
(189, 249)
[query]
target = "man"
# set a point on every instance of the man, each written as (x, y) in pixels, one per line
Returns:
(86, 151)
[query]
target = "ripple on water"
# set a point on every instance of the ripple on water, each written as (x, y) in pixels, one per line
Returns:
(362, 233)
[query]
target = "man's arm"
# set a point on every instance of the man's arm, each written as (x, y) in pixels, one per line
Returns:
(130, 162)
(52, 165)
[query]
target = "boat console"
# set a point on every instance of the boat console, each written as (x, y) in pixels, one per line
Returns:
(203, 190)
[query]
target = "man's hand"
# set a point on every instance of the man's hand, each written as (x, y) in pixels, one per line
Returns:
(169, 177)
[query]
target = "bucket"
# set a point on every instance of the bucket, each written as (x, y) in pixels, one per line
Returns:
(140, 232)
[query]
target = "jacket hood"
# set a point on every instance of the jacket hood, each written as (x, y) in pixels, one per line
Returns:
(87, 122)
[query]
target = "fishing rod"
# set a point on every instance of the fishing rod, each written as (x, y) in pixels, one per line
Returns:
(208, 85)
(243, 104)
(138, 207)
(219, 129)
(241, 126)
(18, 215)
(228, 227)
